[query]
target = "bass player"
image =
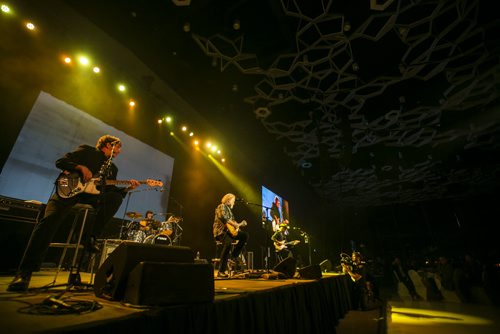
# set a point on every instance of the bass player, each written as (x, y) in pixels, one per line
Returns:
(226, 229)
(87, 161)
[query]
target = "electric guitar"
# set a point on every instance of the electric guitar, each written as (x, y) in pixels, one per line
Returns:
(69, 184)
(233, 227)
(280, 245)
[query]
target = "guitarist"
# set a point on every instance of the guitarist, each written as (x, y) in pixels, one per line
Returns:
(223, 218)
(87, 161)
(279, 240)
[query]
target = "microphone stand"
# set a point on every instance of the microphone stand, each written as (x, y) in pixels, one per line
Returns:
(176, 226)
(265, 227)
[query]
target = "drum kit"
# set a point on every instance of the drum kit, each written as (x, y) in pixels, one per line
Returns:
(151, 231)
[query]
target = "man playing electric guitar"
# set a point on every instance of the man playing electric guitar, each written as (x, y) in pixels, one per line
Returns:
(87, 161)
(280, 243)
(225, 230)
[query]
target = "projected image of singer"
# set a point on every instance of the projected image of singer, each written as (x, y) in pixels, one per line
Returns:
(84, 163)
(276, 213)
(226, 229)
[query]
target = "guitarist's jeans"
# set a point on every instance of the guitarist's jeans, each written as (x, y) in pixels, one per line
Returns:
(56, 212)
(226, 240)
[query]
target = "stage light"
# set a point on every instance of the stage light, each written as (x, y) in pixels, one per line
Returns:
(214, 148)
(184, 128)
(171, 133)
(84, 60)
(223, 160)
(96, 69)
(131, 103)
(67, 60)
(160, 121)
(5, 9)
(218, 151)
(168, 119)
(191, 134)
(196, 143)
(209, 144)
(30, 26)
(122, 87)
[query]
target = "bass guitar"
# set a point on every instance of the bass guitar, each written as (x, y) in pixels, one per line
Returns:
(280, 245)
(70, 184)
(233, 227)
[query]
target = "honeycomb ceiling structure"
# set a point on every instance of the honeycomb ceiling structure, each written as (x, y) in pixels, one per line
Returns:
(374, 102)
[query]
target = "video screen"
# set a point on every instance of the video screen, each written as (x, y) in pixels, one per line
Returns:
(53, 128)
(275, 209)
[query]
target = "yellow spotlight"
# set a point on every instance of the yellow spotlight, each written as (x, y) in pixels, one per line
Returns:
(196, 142)
(168, 119)
(171, 133)
(122, 87)
(214, 148)
(218, 151)
(131, 103)
(96, 69)
(30, 26)
(184, 128)
(209, 144)
(223, 160)
(84, 60)
(67, 60)
(5, 9)
(191, 134)
(160, 121)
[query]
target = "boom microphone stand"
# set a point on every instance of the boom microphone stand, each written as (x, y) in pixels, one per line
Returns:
(266, 228)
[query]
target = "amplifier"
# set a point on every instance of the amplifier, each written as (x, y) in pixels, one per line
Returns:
(13, 209)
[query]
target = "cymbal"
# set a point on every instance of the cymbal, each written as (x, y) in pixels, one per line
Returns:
(133, 215)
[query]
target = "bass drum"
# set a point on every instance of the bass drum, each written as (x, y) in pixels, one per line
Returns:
(158, 239)
(136, 236)
(166, 229)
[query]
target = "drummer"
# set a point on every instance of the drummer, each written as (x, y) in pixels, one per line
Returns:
(148, 223)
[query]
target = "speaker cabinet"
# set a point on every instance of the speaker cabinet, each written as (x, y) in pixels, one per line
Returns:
(287, 267)
(111, 278)
(311, 272)
(160, 283)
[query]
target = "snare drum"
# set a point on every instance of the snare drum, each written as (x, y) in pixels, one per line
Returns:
(166, 229)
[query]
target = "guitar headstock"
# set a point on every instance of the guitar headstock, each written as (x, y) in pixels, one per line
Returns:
(243, 223)
(154, 183)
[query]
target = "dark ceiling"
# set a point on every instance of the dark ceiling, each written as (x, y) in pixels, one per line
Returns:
(374, 102)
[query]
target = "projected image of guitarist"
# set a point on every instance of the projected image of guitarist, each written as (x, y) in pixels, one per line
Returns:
(281, 246)
(226, 229)
(83, 164)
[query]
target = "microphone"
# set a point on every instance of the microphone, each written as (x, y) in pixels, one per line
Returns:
(239, 199)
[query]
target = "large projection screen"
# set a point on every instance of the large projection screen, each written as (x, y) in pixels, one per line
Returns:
(53, 128)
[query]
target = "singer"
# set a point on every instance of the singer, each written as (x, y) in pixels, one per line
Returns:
(87, 161)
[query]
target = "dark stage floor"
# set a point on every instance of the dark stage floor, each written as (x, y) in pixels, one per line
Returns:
(395, 316)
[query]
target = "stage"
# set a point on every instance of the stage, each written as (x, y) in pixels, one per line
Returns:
(241, 305)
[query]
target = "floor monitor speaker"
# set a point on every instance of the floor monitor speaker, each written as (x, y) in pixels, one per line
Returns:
(161, 283)
(287, 267)
(326, 265)
(311, 272)
(111, 277)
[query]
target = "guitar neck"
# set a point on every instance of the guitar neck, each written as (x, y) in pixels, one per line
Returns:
(122, 182)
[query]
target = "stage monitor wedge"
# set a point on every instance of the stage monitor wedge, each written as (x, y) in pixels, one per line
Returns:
(111, 277)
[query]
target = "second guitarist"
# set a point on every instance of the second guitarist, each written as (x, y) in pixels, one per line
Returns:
(280, 243)
(226, 229)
